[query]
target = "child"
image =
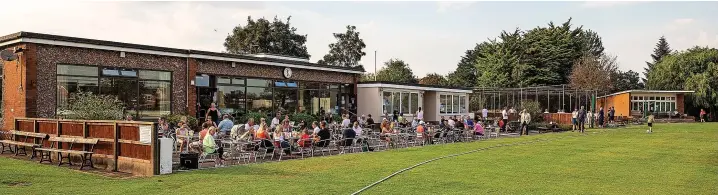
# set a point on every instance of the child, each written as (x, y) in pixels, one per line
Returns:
(650, 121)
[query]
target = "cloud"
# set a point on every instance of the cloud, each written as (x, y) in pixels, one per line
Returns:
(444, 6)
(683, 21)
(606, 4)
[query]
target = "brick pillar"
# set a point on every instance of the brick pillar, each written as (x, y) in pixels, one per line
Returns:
(680, 103)
(19, 83)
(191, 89)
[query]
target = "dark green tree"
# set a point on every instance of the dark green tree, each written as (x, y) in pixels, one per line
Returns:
(662, 50)
(347, 51)
(397, 71)
(465, 74)
(263, 36)
(627, 80)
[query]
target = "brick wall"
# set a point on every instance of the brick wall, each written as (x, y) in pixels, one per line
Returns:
(192, 97)
(50, 56)
(680, 103)
(214, 67)
(15, 74)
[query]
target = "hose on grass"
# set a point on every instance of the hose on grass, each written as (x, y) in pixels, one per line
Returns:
(454, 155)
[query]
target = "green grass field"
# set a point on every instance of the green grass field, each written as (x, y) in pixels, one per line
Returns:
(675, 159)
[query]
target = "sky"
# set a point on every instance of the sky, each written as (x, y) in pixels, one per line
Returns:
(430, 36)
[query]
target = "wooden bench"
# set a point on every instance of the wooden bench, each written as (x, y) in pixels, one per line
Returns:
(56, 142)
(22, 138)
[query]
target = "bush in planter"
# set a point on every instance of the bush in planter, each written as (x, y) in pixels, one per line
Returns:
(192, 122)
(89, 106)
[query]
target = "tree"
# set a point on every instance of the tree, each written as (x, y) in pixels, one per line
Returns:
(695, 69)
(262, 36)
(367, 77)
(347, 51)
(662, 50)
(397, 71)
(628, 80)
(465, 74)
(433, 79)
(593, 73)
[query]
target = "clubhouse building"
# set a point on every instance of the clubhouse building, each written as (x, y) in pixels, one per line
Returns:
(380, 98)
(153, 81)
(638, 102)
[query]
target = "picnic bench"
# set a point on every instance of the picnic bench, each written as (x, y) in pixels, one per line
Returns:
(56, 143)
(21, 145)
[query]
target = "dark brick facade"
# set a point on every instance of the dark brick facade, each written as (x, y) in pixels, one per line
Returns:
(38, 68)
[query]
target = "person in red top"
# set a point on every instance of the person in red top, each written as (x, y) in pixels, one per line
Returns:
(703, 115)
(198, 144)
(304, 140)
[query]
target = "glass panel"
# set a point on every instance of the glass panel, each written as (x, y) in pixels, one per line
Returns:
(110, 72)
(155, 75)
(124, 89)
(201, 80)
(462, 106)
(238, 81)
(333, 95)
(386, 98)
(258, 82)
(154, 99)
(285, 100)
(414, 102)
(259, 99)
(442, 106)
(67, 85)
(128, 73)
(405, 103)
(651, 98)
(455, 104)
(640, 97)
(280, 84)
(323, 101)
(309, 85)
(396, 102)
(77, 70)
(231, 99)
(333, 86)
(224, 80)
(292, 84)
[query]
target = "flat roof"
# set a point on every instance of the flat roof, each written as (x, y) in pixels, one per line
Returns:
(38, 38)
(648, 91)
(394, 85)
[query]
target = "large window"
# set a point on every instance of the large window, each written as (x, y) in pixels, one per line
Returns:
(657, 104)
(231, 95)
(145, 93)
(401, 102)
(452, 104)
(259, 95)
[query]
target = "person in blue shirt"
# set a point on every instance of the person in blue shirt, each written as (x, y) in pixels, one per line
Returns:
(226, 125)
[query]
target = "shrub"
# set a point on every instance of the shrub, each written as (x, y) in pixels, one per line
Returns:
(88, 106)
(308, 118)
(256, 116)
(192, 122)
(534, 108)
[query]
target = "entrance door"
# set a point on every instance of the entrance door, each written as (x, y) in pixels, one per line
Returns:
(205, 97)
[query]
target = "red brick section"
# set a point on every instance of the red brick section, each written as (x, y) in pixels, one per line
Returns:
(192, 92)
(16, 74)
(680, 104)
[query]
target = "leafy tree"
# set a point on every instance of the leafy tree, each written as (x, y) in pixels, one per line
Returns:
(89, 106)
(347, 51)
(263, 36)
(694, 69)
(367, 77)
(433, 79)
(593, 73)
(396, 70)
(465, 74)
(628, 80)
(662, 50)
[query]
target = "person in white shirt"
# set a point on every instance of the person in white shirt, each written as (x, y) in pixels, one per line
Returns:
(574, 122)
(484, 114)
(505, 117)
(451, 123)
(512, 111)
(275, 121)
(346, 122)
(420, 114)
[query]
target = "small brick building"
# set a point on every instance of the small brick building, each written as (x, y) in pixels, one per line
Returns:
(154, 81)
(636, 102)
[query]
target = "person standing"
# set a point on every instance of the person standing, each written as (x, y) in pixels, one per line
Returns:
(213, 113)
(702, 115)
(600, 118)
(505, 117)
(420, 114)
(574, 120)
(650, 121)
(611, 115)
(525, 119)
(484, 114)
(275, 121)
(582, 119)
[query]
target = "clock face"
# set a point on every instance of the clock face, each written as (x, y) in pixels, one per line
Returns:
(287, 72)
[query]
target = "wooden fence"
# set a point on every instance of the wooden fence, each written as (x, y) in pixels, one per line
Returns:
(124, 146)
